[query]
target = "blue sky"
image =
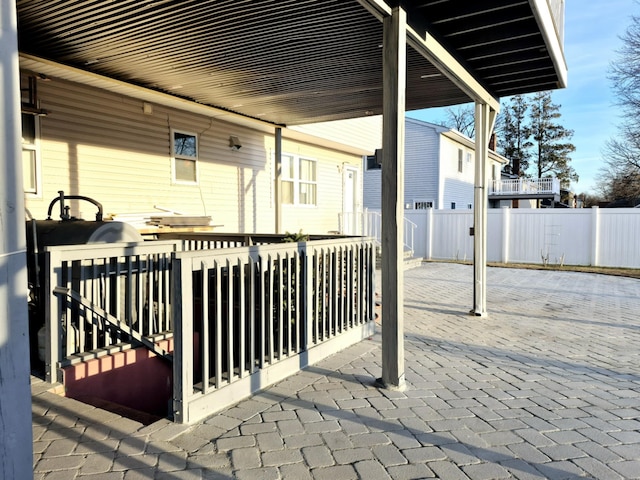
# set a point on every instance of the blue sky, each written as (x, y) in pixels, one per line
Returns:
(592, 36)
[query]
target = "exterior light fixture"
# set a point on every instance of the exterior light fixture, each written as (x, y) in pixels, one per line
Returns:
(234, 143)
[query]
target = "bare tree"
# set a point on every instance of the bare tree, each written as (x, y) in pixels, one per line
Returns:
(462, 118)
(620, 174)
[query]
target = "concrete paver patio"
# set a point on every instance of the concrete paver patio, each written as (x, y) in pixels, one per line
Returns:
(548, 386)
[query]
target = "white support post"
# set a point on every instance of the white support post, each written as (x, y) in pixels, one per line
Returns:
(484, 119)
(595, 236)
(16, 458)
(394, 81)
(429, 252)
(506, 232)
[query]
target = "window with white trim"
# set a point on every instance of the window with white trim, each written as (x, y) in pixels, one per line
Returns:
(460, 163)
(422, 204)
(299, 180)
(184, 147)
(31, 154)
(372, 162)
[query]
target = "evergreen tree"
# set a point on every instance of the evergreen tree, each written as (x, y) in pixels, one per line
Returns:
(514, 133)
(551, 158)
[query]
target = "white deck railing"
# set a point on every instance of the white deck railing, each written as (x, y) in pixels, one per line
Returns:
(525, 186)
(260, 313)
(372, 227)
(101, 297)
(241, 317)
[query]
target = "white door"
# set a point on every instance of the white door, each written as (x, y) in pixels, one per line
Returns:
(350, 202)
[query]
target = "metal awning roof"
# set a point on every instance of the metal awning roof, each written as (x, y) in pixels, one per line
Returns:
(295, 61)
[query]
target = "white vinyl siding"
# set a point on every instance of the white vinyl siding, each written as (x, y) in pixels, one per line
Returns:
(322, 217)
(102, 145)
(421, 162)
(421, 167)
(456, 185)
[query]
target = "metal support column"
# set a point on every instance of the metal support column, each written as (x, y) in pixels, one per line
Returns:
(394, 78)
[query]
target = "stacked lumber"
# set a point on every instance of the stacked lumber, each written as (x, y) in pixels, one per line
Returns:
(179, 220)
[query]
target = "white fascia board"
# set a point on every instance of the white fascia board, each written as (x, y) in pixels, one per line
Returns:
(542, 12)
(461, 139)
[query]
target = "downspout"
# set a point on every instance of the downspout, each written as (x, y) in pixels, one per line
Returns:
(278, 180)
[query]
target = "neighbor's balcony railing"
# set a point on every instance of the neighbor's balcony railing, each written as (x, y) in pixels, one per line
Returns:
(524, 187)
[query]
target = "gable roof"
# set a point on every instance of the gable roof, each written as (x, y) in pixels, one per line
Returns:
(298, 61)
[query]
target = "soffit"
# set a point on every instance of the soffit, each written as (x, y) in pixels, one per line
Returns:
(289, 61)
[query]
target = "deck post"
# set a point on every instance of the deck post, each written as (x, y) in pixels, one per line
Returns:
(484, 120)
(278, 180)
(394, 81)
(16, 459)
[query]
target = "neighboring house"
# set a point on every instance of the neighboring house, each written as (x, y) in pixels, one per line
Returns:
(439, 162)
(140, 157)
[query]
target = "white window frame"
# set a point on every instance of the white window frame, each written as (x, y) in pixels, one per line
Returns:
(175, 157)
(371, 163)
(460, 162)
(33, 147)
(423, 204)
(298, 182)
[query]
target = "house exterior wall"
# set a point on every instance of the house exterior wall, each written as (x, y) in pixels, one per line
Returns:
(431, 161)
(372, 187)
(421, 168)
(422, 171)
(324, 216)
(455, 186)
(102, 145)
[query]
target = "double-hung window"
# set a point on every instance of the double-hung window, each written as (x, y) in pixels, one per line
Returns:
(422, 204)
(30, 154)
(299, 180)
(184, 147)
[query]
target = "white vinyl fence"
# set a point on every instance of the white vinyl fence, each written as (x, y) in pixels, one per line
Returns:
(593, 236)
